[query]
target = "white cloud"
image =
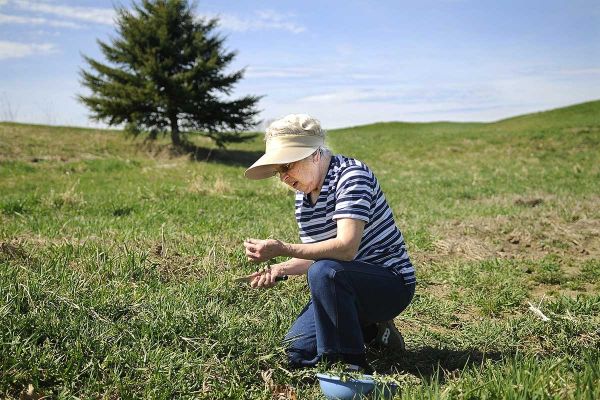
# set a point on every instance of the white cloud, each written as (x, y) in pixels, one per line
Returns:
(478, 93)
(273, 19)
(19, 50)
(320, 72)
(263, 20)
(88, 14)
(16, 19)
(350, 96)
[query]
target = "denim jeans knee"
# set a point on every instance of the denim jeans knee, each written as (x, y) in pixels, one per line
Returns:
(321, 270)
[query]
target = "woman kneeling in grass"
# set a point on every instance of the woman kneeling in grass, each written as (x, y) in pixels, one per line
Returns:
(359, 273)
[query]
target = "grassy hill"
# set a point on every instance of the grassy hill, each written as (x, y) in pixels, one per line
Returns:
(117, 258)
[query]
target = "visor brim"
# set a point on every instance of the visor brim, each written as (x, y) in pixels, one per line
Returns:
(265, 167)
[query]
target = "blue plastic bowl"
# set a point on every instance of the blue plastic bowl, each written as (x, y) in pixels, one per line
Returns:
(353, 389)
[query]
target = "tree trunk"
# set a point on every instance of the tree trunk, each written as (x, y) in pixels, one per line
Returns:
(175, 137)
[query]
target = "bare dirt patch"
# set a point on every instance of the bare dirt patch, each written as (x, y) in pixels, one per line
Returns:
(543, 290)
(544, 226)
(12, 249)
(416, 326)
(437, 290)
(529, 201)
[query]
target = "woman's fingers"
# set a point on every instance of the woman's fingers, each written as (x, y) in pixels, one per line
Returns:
(263, 278)
(257, 276)
(252, 251)
(252, 256)
(273, 274)
(260, 250)
(251, 244)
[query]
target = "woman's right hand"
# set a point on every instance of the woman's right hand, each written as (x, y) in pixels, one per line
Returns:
(265, 278)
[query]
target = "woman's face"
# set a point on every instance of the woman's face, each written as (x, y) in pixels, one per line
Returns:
(301, 175)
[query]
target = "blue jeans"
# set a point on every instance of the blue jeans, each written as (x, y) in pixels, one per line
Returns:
(345, 297)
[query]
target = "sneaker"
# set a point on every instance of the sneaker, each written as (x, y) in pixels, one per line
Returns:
(388, 336)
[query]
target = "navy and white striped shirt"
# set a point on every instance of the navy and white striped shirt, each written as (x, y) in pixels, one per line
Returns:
(350, 190)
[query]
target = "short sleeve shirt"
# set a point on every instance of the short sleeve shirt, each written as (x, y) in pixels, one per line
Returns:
(351, 190)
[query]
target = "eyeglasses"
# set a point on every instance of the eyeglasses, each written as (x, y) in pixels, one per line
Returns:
(283, 168)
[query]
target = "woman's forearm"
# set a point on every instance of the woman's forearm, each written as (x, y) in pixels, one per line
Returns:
(343, 247)
(294, 266)
(331, 248)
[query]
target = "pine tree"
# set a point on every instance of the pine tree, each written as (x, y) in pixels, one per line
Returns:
(167, 74)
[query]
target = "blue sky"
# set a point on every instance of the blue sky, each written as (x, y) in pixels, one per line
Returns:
(345, 62)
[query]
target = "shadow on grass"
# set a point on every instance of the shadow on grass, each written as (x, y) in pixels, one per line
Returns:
(429, 362)
(238, 158)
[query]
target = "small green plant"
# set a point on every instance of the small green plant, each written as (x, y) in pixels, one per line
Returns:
(14, 206)
(549, 272)
(590, 271)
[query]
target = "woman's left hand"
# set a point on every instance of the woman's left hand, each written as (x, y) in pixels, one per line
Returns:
(258, 250)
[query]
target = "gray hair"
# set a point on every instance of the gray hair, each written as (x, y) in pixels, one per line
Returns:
(295, 124)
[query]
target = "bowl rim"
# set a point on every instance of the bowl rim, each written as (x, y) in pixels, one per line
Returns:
(368, 379)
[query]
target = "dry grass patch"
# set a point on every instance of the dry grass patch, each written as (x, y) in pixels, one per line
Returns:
(173, 266)
(158, 150)
(540, 291)
(69, 198)
(545, 225)
(13, 249)
(468, 248)
(202, 185)
(42, 143)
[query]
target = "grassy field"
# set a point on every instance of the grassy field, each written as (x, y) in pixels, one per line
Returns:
(117, 258)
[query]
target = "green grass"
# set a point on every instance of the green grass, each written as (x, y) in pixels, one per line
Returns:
(117, 258)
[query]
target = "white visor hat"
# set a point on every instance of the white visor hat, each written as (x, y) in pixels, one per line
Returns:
(286, 147)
